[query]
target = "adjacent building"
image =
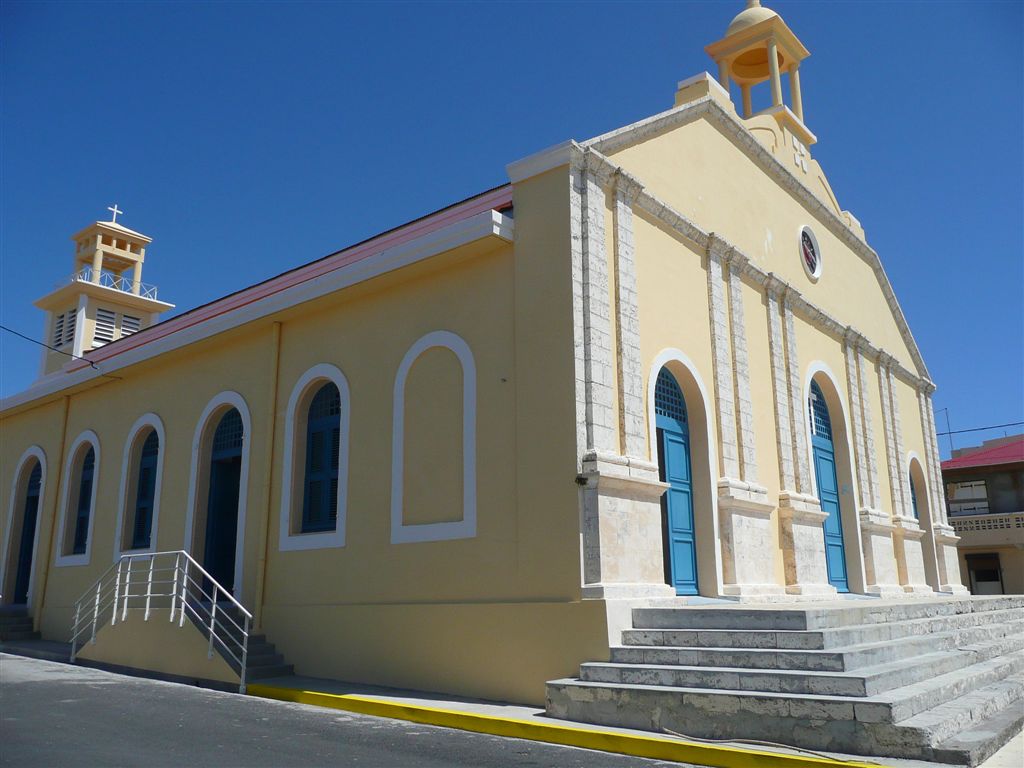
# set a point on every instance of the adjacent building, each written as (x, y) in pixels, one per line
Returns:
(985, 494)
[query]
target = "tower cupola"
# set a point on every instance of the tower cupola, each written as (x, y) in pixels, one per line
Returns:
(759, 48)
(104, 299)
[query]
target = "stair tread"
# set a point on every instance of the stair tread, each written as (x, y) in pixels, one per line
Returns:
(1014, 613)
(887, 697)
(984, 736)
(865, 672)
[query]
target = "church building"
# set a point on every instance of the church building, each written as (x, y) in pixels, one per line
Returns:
(656, 367)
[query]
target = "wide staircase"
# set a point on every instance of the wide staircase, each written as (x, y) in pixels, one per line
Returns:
(933, 679)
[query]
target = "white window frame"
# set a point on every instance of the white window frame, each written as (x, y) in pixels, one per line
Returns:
(61, 560)
(402, 533)
(291, 492)
(129, 465)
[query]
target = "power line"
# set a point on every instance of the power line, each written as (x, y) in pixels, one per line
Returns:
(61, 351)
(982, 429)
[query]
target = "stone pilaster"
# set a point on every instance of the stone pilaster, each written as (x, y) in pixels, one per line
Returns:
(578, 308)
(876, 528)
(597, 338)
(728, 445)
(632, 424)
(907, 534)
(942, 532)
(857, 426)
(780, 386)
(800, 514)
(799, 407)
(744, 510)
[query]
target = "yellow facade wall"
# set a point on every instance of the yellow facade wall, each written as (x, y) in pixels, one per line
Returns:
(698, 170)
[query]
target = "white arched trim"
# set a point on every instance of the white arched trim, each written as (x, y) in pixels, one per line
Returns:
(677, 356)
(215, 407)
(128, 466)
(37, 453)
(74, 452)
(855, 569)
(913, 456)
(295, 429)
(813, 370)
(460, 529)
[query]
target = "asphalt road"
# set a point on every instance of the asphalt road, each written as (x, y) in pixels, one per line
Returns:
(61, 715)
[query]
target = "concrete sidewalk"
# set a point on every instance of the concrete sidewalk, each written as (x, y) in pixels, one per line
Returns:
(532, 723)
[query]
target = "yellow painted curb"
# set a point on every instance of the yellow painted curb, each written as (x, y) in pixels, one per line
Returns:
(606, 741)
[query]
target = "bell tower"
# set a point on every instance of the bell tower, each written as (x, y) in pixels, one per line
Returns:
(759, 48)
(104, 299)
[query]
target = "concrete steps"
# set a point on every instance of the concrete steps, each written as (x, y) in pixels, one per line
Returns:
(16, 624)
(941, 679)
(262, 661)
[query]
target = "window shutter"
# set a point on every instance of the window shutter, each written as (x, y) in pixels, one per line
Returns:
(105, 324)
(130, 325)
(58, 330)
(69, 326)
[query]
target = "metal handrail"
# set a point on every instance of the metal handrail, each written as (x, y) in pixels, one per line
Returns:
(110, 598)
(115, 281)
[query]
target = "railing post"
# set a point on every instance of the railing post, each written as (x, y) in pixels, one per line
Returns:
(213, 619)
(149, 587)
(174, 588)
(127, 589)
(74, 630)
(184, 584)
(245, 653)
(96, 611)
(117, 593)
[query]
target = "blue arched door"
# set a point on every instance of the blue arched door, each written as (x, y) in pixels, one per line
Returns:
(222, 503)
(828, 489)
(23, 574)
(673, 434)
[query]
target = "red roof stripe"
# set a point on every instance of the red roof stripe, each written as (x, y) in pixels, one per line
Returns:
(487, 201)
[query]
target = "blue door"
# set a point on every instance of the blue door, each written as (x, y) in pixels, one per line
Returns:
(674, 468)
(828, 489)
(28, 536)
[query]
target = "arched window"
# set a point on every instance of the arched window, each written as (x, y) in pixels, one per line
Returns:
(821, 423)
(323, 438)
(83, 503)
(145, 486)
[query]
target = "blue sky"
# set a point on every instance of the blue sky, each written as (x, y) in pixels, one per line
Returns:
(249, 138)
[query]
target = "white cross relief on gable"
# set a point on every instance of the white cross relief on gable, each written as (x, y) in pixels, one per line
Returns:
(800, 154)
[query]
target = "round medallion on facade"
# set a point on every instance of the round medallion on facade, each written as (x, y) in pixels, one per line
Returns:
(810, 254)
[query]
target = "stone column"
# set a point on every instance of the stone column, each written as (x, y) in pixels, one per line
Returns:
(619, 494)
(907, 532)
(800, 514)
(137, 278)
(773, 70)
(744, 510)
(632, 421)
(880, 570)
(944, 536)
(794, 90)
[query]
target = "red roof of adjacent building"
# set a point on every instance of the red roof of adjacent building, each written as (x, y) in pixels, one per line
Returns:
(1007, 453)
